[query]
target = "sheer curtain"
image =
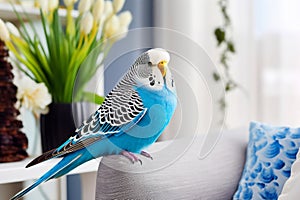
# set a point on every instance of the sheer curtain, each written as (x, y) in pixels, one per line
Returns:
(189, 18)
(277, 35)
(266, 65)
(197, 19)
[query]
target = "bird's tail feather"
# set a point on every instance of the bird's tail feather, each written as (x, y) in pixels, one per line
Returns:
(64, 163)
(84, 158)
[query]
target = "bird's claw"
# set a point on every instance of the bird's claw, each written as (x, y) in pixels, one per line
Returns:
(133, 158)
(147, 155)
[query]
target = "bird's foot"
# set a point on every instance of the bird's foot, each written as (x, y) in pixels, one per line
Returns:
(147, 155)
(133, 158)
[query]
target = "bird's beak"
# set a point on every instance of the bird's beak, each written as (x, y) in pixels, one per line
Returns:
(162, 67)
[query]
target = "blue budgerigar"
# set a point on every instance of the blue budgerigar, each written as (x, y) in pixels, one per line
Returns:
(132, 117)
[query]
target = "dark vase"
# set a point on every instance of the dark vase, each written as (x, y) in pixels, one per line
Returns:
(60, 123)
(56, 126)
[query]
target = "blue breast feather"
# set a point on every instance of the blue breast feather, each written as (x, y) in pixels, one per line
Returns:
(160, 107)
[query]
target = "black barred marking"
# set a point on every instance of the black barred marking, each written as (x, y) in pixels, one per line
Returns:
(122, 104)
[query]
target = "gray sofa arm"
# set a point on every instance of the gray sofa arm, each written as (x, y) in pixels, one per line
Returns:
(215, 177)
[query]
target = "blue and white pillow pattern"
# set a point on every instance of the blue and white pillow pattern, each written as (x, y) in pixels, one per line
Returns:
(270, 154)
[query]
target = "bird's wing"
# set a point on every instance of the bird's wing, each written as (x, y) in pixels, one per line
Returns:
(121, 110)
(118, 110)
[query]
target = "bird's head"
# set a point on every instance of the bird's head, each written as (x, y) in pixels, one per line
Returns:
(153, 71)
(159, 58)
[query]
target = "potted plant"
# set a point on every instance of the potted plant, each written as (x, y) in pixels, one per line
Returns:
(66, 45)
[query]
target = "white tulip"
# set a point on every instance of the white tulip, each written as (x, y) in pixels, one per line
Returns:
(121, 33)
(43, 5)
(33, 96)
(69, 2)
(86, 23)
(12, 29)
(125, 18)
(112, 26)
(98, 9)
(118, 28)
(108, 9)
(118, 5)
(52, 4)
(84, 6)
(4, 34)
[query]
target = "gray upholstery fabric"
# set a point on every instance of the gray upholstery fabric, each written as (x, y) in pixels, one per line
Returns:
(213, 178)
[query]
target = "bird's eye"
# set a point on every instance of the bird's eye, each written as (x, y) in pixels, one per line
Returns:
(150, 63)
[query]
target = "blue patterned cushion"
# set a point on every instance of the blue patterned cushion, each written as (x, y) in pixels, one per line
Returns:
(270, 154)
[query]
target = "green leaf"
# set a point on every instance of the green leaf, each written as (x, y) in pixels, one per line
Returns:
(220, 35)
(216, 76)
(222, 103)
(223, 58)
(227, 87)
(18, 64)
(230, 85)
(93, 97)
(24, 33)
(230, 46)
